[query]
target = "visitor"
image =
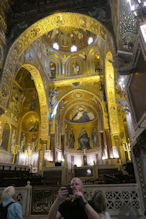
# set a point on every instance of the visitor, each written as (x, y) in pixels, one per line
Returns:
(14, 210)
(72, 206)
(98, 202)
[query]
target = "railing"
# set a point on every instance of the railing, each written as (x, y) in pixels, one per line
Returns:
(38, 200)
(42, 199)
(117, 195)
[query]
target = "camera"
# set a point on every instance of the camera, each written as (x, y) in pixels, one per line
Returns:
(69, 189)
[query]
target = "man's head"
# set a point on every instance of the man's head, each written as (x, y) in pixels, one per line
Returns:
(9, 192)
(77, 184)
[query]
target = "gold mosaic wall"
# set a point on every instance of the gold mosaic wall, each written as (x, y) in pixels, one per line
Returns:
(67, 100)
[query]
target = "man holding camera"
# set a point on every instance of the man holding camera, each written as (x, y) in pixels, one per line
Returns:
(76, 207)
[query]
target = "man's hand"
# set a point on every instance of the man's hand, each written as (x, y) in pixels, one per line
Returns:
(78, 194)
(62, 193)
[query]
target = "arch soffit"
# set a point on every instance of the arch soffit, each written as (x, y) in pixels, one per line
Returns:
(57, 57)
(71, 58)
(42, 98)
(47, 24)
(94, 51)
(110, 91)
(81, 91)
(109, 72)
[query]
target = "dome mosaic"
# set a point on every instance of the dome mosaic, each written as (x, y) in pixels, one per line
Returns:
(66, 37)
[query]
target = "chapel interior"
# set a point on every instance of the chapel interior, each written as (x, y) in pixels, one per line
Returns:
(73, 95)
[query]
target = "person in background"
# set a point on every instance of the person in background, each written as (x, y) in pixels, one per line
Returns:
(98, 202)
(9, 196)
(73, 206)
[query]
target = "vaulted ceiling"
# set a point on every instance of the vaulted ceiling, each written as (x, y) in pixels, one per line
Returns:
(115, 15)
(23, 13)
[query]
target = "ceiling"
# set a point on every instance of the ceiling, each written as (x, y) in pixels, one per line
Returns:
(65, 37)
(115, 15)
(24, 13)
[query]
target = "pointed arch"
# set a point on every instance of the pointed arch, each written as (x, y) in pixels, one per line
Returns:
(38, 29)
(96, 98)
(42, 99)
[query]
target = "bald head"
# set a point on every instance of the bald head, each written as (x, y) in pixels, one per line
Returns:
(77, 184)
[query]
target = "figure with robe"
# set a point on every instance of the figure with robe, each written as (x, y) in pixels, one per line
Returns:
(84, 140)
(76, 68)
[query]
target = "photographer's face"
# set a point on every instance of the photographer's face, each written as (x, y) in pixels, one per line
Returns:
(76, 184)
